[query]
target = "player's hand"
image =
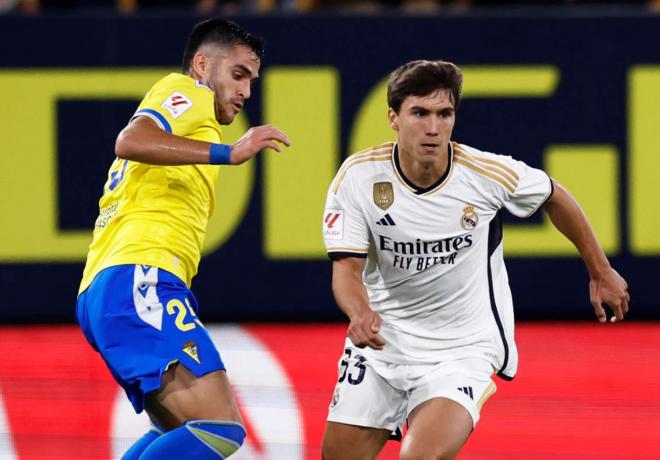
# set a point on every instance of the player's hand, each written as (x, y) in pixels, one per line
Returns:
(363, 331)
(255, 140)
(610, 289)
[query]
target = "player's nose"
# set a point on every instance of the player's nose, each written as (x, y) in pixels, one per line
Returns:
(244, 90)
(432, 126)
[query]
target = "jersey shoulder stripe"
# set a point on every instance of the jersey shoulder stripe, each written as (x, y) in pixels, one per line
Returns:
(378, 153)
(180, 105)
(384, 149)
(483, 159)
(160, 120)
(492, 169)
(340, 178)
(389, 144)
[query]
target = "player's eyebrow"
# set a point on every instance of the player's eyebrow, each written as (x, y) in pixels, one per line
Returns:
(246, 70)
(429, 109)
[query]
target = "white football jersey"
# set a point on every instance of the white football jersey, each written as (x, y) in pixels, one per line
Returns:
(435, 269)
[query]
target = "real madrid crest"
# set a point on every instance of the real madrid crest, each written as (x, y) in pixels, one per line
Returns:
(383, 195)
(470, 218)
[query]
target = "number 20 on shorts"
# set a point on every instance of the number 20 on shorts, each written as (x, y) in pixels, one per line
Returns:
(175, 306)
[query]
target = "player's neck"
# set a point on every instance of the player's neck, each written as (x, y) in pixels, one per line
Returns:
(196, 76)
(423, 172)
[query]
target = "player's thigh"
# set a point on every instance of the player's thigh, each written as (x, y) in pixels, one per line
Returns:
(352, 442)
(184, 396)
(444, 407)
(437, 429)
(143, 321)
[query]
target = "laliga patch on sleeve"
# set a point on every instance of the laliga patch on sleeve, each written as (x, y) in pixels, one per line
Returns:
(333, 224)
(176, 104)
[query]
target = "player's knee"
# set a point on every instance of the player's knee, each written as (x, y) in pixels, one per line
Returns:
(198, 439)
(225, 437)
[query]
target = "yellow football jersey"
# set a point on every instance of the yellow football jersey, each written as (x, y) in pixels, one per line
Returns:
(157, 215)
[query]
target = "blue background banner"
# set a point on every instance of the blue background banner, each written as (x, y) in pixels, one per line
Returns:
(578, 96)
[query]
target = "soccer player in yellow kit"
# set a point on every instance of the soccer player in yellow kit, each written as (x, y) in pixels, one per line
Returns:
(134, 305)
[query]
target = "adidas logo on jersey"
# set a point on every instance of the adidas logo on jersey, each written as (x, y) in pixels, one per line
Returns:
(387, 220)
(467, 391)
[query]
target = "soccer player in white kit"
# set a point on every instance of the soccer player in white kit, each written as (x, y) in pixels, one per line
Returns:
(414, 233)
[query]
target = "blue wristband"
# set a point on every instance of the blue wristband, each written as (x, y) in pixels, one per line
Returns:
(220, 154)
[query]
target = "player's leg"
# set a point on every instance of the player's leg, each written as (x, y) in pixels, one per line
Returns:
(351, 442)
(437, 429)
(183, 397)
(444, 407)
(201, 414)
(143, 321)
(193, 400)
(366, 408)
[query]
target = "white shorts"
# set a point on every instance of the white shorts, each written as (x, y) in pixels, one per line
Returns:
(380, 395)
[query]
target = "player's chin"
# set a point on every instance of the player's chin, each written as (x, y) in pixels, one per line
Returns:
(226, 118)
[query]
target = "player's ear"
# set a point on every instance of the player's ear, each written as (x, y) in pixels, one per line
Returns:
(199, 64)
(394, 119)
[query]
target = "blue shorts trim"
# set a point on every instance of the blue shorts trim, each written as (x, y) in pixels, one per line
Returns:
(142, 319)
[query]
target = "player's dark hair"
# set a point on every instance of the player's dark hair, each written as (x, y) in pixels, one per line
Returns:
(220, 32)
(421, 78)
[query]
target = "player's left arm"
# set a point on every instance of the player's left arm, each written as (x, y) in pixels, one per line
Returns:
(143, 141)
(606, 286)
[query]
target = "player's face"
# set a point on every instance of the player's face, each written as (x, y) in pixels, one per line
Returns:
(424, 125)
(230, 74)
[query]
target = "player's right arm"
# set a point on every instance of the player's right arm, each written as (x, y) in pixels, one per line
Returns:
(351, 296)
(346, 237)
(145, 142)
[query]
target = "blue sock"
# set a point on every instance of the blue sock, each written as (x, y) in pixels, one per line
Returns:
(198, 440)
(134, 452)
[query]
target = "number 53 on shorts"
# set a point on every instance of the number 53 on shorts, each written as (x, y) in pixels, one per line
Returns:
(362, 397)
(352, 367)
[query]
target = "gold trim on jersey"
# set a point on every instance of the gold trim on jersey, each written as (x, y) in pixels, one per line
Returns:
(485, 173)
(489, 168)
(377, 153)
(389, 144)
(487, 160)
(359, 251)
(492, 388)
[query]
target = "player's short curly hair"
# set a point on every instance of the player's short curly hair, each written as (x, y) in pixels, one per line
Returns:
(220, 32)
(421, 78)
